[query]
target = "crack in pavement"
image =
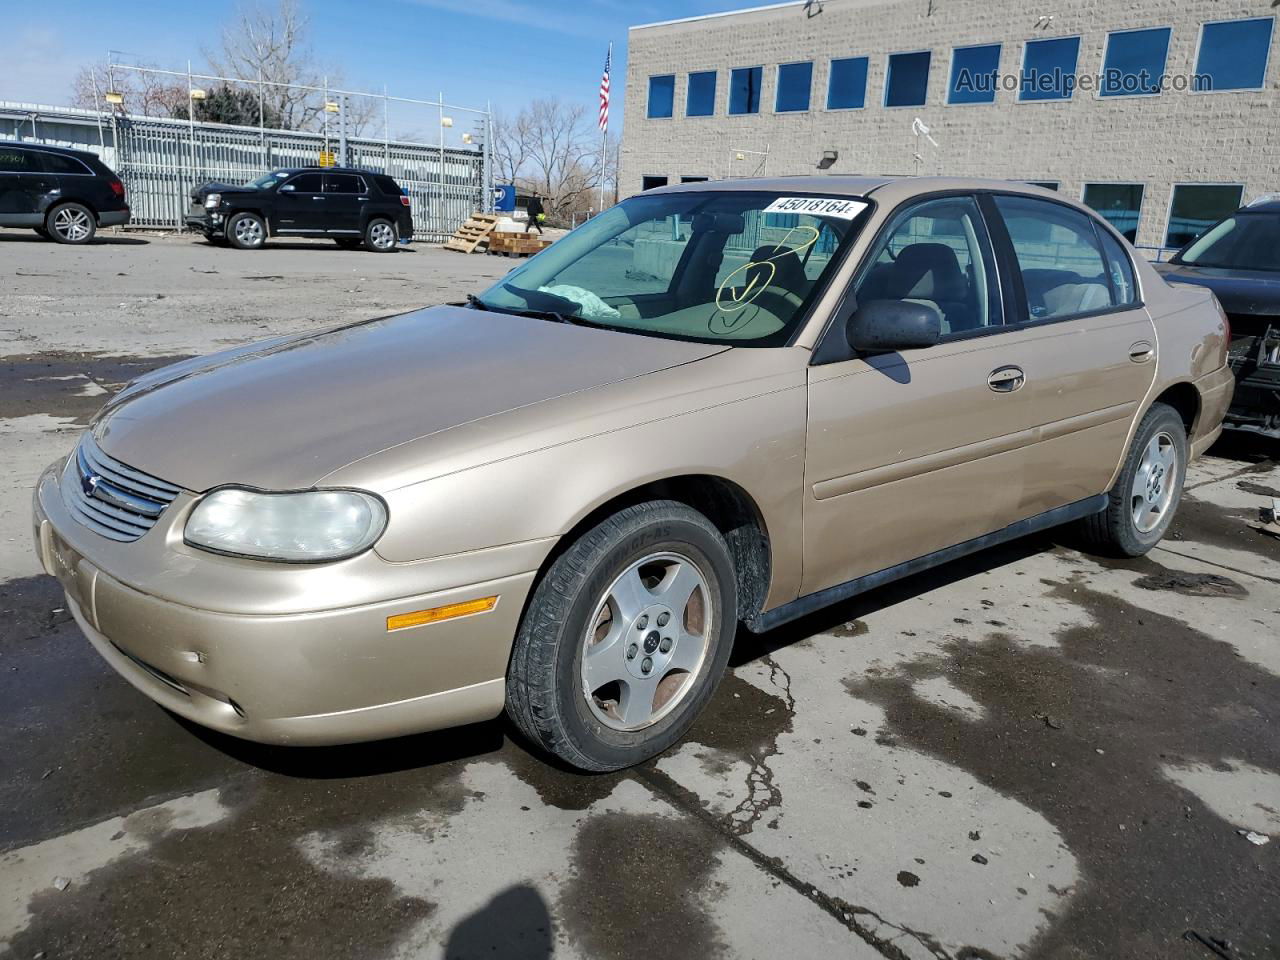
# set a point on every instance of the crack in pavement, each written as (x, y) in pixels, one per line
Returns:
(763, 794)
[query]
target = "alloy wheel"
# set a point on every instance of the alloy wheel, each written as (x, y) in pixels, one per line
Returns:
(72, 224)
(1154, 483)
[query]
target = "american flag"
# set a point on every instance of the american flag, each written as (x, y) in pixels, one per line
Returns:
(604, 92)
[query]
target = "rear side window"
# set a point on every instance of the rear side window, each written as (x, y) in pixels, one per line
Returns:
(13, 160)
(343, 183)
(57, 163)
(306, 183)
(1059, 257)
(1120, 269)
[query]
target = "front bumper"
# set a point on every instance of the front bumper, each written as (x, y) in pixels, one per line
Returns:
(211, 225)
(305, 677)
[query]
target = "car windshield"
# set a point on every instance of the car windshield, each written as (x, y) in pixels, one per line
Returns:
(1245, 241)
(267, 180)
(713, 266)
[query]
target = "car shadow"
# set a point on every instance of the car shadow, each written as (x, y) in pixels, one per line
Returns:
(97, 241)
(749, 647)
(1245, 447)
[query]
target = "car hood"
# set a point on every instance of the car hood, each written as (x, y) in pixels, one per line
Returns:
(213, 186)
(285, 413)
(1248, 292)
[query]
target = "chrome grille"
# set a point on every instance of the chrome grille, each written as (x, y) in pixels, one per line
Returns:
(112, 498)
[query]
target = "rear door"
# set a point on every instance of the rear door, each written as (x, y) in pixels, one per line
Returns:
(22, 183)
(1089, 345)
(345, 196)
(300, 205)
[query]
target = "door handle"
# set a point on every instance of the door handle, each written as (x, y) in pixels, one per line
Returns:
(1006, 379)
(317, 198)
(1142, 351)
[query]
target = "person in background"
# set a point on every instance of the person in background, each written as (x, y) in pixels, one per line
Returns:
(536, 214)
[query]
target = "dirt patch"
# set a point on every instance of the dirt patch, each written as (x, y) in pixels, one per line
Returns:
(1204, 522)
(640, 885)
(1257, 489)
(1192, 584)
(1136, 691)
(65, 384)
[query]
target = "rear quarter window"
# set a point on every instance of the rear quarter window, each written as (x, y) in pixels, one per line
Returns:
(388, 186)
(58, 163)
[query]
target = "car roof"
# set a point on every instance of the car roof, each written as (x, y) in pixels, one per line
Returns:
(49, 148)
(319, 169)
(1267, 206)
(863, 186)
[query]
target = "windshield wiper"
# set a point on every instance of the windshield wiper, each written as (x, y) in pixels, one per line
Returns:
(570, 318)
(475, 303)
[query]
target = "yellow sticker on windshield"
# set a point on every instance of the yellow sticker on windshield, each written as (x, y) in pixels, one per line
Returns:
(841, 209)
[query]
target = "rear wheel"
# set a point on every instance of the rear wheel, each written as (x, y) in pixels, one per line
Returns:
(625, 639)
(1146, 495)
(246, 231)
(71, 223)
(380, 236)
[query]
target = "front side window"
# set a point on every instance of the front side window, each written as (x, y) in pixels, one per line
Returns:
(13, 160)
(907, 84)
(307, 183)
(1196, 207)
(1049, 69)
(794, 82)
(662, 96)
(718, 266)
(1246, 241)
(1233, 54)
(975, 73)
(938, 253)
(847, 85)
(1120, 204)
(701, 99)
(1059, 256)
(744, 90)
(1134, 64)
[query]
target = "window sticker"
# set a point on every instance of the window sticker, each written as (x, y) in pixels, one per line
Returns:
(842, 209)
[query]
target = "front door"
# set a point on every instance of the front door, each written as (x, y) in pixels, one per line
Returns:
(911, 452)
(345, 195)
(300, 205)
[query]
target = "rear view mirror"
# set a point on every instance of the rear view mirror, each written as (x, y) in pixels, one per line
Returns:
(883, 326)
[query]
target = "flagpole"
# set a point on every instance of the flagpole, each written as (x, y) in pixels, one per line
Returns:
(604, 133)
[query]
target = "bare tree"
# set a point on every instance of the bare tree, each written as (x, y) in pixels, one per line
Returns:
(511, 136)
(551, 149)
(145, 94)
(268, 44)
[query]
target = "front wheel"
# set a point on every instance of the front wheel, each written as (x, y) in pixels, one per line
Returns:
(71, 223)
(1146, 495)
(380, 236)
(246, 231)
(626, 638)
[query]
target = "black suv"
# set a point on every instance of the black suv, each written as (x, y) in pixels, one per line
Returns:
(62, 194)
(354, 207)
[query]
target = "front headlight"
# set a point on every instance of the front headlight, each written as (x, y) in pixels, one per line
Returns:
(304, 527)
(212, 200)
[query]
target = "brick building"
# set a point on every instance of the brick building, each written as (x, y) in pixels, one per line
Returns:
(1163, 115)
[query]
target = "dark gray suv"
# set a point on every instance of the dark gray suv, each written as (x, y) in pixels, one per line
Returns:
(64, 195)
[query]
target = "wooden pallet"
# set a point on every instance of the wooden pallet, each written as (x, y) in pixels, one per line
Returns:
(511, 244)
(472, 233)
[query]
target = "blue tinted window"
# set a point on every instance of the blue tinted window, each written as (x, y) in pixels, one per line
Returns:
(848, 84)
(1049, 69)
(744, 90)
(794, 82)
(662, 95)
(1233, 54)
(974, 74)
(701, 101)
(908, 81)
(1119, 203)
(1135, 62)
(1196, 207)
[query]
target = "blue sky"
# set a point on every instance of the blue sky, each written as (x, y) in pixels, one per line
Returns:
(417, 48)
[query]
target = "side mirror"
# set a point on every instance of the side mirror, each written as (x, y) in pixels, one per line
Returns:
(883, 326)
(288, 188)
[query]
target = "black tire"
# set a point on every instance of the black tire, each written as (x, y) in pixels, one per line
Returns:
(71, 223)
(1115, 531)
(246, 231)
(380, 235)
(545, 686)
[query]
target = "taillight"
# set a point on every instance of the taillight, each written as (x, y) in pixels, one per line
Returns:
(117, 188)
(404, 201)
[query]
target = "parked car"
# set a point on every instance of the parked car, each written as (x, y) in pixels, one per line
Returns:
(711, 404)
(64, 195)
(353, 207)
(1239, 260)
